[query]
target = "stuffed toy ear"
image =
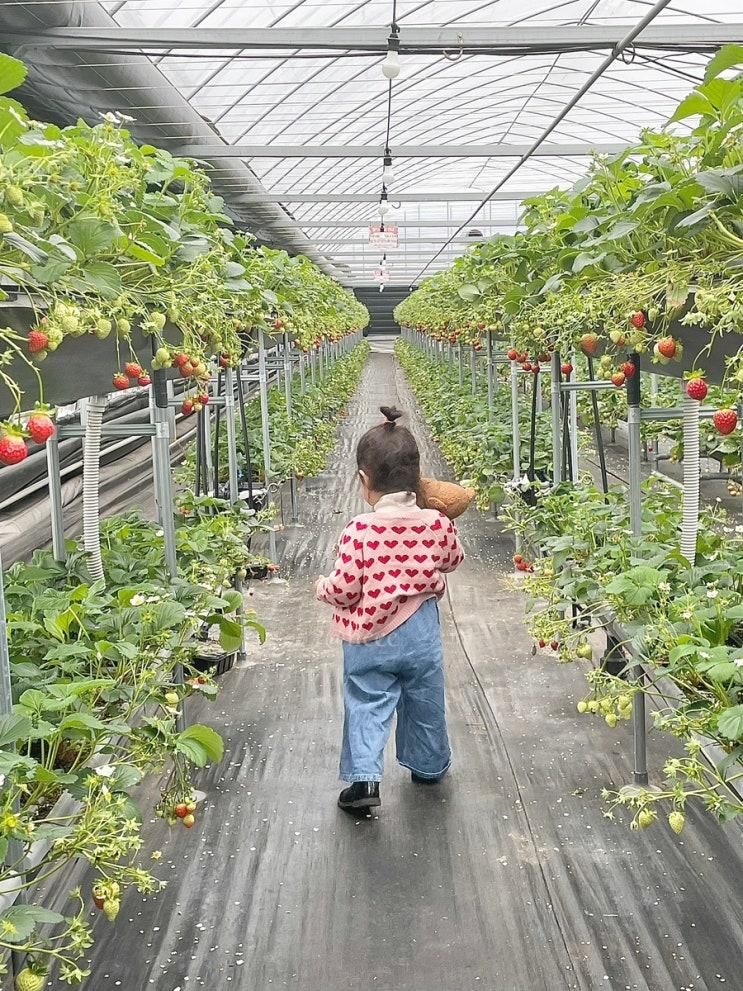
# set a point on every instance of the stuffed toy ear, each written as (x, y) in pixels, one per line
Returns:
(447, 497)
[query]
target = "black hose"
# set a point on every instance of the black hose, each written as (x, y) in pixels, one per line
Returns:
(217, 425)
(597, 428)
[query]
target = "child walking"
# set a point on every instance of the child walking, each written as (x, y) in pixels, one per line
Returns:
(384, 592)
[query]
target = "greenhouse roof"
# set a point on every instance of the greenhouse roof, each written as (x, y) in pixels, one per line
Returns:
(295, 88)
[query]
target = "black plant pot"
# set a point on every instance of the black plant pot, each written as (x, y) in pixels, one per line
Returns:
(257, 572)
(218, 663)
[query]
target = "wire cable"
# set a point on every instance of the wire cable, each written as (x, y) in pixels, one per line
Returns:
(609, 60)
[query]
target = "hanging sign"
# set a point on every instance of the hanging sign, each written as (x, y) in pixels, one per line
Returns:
(387, 238)
(381, 275)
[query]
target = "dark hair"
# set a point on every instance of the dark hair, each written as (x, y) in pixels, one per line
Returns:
(389, 456)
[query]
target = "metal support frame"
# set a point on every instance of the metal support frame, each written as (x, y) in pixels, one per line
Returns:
(293, 494)
(231, 427)
(560, 149)
(555, 404)
(473, 370)
(639, 718)
(265, 430)
(460, 361)
(491, 377)
(55, 498)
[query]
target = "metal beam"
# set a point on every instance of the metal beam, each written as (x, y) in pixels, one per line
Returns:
(490, 38)
(473, 196)
(364, 224)
(328, 245)
(557, 150)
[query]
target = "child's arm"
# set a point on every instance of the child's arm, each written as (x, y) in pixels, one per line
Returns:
(453, 551)
(343, 586)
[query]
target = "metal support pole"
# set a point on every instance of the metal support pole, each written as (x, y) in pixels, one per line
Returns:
(265, 430)
(491, 377)
(654, 451)
(450, 356)
(302, 375)
(473, 370)
(164, 493)
(573, 416)
(639, 723)
(289, 413)
(555, 409)
(229, 415)
(217, 433)
(313, 371)
(246, 437)
(206, 417)
(55, 498)
(515, 428)
(460, 356)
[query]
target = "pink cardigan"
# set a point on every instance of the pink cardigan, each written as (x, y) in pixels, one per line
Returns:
(389, 562)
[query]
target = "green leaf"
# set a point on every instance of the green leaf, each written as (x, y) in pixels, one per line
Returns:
(726, 181)
(200, 744)
(697, 216)
(13, 728)
(730, 723)
(103, 278)
(726, 58)
(20, 921)
(91, 236)
(51, 271)
(135, 249)
(230, 634)
(584, 260)
(12, 121)
(468, 293)
(83, 722)
(695, 103)
(12, 73)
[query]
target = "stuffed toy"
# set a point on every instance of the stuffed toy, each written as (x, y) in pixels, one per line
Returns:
(448, 497)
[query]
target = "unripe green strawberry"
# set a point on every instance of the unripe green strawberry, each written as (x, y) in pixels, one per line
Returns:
(30, 980)
(123, 327)
(5, 225)
(103, 328)
(645, 818)
(582, 706)
(158, 319)
(111, 908)
(593, 707)
(14, 196)
(172, 698)
(611, 719)
(584, 651)
(676, 820)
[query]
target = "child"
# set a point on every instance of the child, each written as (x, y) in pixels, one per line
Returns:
(385, 590)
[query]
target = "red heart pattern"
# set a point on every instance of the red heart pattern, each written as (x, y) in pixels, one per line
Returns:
(381, 598)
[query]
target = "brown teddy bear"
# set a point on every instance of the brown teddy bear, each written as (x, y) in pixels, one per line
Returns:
(448, 497)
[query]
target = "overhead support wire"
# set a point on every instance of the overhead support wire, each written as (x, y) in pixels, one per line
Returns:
(616, 52)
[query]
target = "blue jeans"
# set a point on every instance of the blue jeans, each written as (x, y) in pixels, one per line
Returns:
(402, 671)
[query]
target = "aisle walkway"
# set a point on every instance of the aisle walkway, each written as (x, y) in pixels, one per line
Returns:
(505, 878)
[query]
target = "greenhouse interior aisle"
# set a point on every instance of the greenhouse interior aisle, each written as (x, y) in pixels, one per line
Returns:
(506, 877)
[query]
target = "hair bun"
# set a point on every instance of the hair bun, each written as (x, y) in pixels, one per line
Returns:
(390, 413)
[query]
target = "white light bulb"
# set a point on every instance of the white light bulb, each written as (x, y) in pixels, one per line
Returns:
(384, 208)
(391, 65)
(388, 176)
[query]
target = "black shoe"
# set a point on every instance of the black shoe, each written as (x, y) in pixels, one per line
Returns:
(361, 795)
(418, 780)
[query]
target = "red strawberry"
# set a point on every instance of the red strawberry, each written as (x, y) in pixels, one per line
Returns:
(37, 341)
(481, 326)
(522, 566)
(697, 389)
(13, 449)
(512, 354)
(181, 810)
(667, 347)
(543, 357)
(629, 369)
(40, 427)
(554, 645)
(518, 558)
(120, 381)
(566, 368)
(224, 361)
(589, 343)
(618, 378)
(187, 407)
(725, 420)
(203, 398)
(186, 369)
(638, 319)
(132, 369)
(477, 346)
(180, 359)
(542, 643)
(144, 379)
(534, 367)
(452, 339)
(526, 366)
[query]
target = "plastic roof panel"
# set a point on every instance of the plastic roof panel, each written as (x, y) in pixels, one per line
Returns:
(294, 97)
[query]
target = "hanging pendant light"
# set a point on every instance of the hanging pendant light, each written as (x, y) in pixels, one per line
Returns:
(391, 64)
(388, 176)
(384, 206)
